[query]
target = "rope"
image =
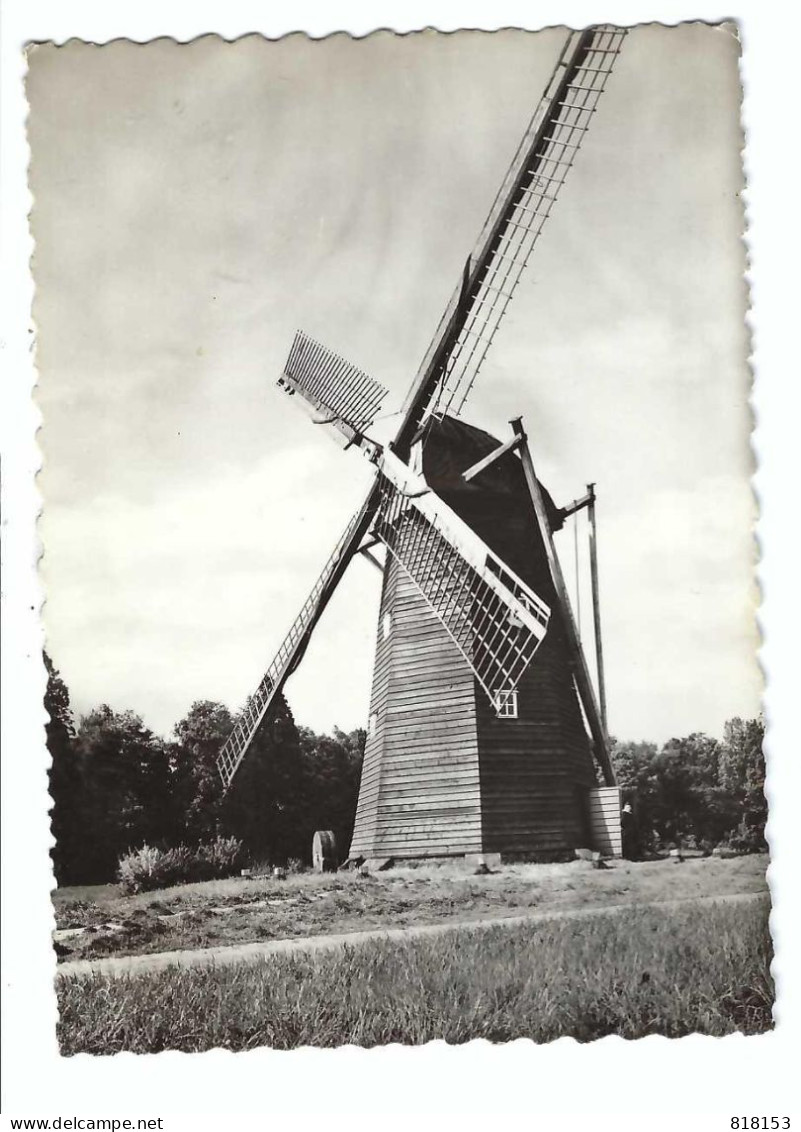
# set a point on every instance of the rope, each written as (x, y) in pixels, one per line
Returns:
(386, 416)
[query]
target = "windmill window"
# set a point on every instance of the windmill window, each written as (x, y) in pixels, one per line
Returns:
(372, 723)
(506, 704)
(386, 625)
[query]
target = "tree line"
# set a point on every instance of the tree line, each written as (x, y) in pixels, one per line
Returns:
(115, 786)
(697, 792)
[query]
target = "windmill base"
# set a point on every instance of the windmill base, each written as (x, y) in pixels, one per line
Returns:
(473, 860)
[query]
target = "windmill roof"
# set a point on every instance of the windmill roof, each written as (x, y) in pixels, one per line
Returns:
(450, 446)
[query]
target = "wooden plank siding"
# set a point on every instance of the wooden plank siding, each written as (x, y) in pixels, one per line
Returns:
(605, 820)
(443, 775)
(420, 792)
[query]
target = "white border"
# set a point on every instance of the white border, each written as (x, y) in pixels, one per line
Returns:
(654, 1076)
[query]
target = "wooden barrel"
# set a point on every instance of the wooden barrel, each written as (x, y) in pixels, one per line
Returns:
(324, 851)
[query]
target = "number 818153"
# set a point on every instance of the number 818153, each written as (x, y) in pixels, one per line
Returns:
(745, 1122)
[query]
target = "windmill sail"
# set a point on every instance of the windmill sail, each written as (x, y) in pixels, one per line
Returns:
(293, 646)
(493, 617)
(346, 397)
(518, 215)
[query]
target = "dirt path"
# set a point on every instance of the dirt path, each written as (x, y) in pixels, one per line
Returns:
(118, 965)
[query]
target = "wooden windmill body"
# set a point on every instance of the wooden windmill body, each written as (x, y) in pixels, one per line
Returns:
(446, 772)
(485, 732)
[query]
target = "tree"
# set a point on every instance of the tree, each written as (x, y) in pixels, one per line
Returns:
(633, 763)
(261, 806)
(332, 767)
(64, 779)
(742, 775)
(693, 806)
(197, 788)
(125, 777)
(675, 792)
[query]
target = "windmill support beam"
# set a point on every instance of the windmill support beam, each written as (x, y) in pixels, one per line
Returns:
(365, 552)
(580, 670)
(578, 505)
(596, 605)
(482, 465)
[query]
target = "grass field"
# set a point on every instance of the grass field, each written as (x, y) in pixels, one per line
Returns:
(647, 971)
(241, 911)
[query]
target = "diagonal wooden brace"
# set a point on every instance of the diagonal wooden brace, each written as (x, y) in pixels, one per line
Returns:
(580, 670)
(488, 461)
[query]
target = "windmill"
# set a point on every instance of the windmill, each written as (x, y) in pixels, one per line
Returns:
(484, 732)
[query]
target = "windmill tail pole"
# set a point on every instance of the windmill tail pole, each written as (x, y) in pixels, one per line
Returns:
(596, 606)
(579, 664)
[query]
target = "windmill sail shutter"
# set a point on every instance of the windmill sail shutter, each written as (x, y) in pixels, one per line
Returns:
(341, 391)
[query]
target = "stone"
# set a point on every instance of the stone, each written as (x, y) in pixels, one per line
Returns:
(492, 861)
(378, 864)
(351, 864)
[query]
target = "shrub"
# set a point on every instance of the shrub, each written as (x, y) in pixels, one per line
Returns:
(147, 868)
(221, 857)
(137, 869)
(749, 836)
(261, 865)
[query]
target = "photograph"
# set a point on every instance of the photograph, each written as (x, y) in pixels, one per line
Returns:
(452, 728)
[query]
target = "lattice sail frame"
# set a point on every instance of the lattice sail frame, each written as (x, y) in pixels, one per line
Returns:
(347, 396)
(495, 619)
(236, 745)
(566, 111)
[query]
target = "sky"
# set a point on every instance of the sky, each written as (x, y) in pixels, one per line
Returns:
(195, 204)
